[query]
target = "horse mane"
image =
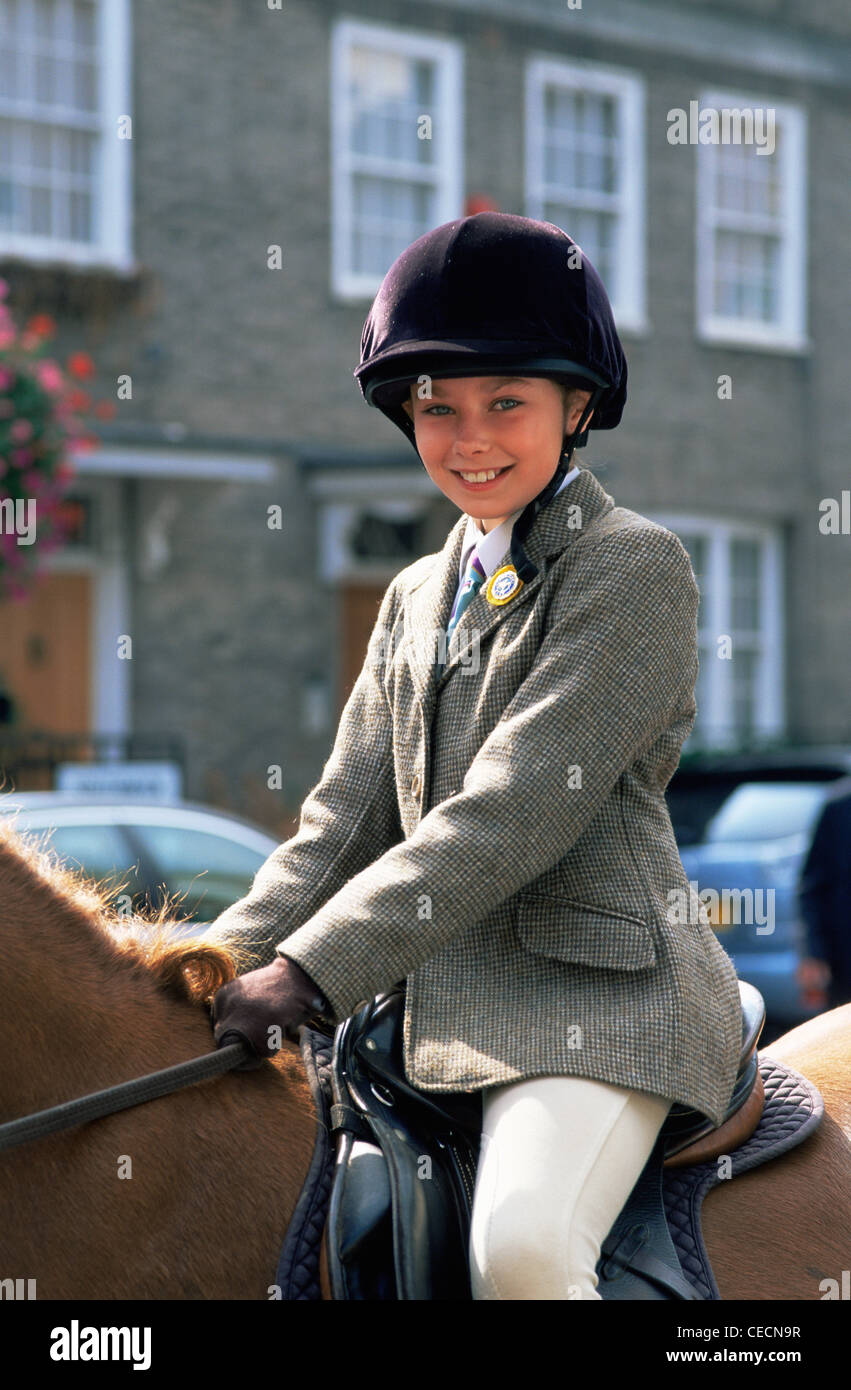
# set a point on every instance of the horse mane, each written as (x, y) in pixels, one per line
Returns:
(189, 968)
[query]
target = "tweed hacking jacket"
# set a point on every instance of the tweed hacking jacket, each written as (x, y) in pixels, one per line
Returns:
(496, 835)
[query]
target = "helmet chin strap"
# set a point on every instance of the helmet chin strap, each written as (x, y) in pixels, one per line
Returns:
(520, 560)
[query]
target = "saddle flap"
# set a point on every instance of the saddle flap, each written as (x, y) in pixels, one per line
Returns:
(428, 1166)
(367, 1201)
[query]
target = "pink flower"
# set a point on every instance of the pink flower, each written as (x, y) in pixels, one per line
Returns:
(13, 557)
(21, 430)
(32, 480)
(7, 337)
(50, 375)
(20, 457)
(7, 376)
(4, 288)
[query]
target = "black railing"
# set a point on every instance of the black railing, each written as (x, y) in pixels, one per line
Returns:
(28, 759)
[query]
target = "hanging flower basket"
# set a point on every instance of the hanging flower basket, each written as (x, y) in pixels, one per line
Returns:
(42, 410)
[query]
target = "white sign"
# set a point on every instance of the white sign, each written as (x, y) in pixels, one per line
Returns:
(133, 779)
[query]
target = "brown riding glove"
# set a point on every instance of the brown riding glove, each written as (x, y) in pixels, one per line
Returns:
(278, 994)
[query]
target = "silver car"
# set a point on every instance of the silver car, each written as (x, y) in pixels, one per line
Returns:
(178, 846)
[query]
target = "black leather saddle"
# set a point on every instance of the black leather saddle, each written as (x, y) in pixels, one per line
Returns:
(405, 1169)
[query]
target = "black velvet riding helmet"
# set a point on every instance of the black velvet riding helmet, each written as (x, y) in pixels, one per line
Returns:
(490, 295)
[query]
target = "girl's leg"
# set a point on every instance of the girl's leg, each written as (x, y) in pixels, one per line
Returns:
(559, 1157)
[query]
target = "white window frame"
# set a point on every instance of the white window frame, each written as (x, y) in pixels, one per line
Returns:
(769, 697)
(112, 188)
(791, 333)
(629, 303)
(447, 56)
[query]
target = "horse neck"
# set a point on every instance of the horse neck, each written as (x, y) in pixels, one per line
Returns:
(77, 1015)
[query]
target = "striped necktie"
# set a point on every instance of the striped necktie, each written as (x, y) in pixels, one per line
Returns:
(474, 577)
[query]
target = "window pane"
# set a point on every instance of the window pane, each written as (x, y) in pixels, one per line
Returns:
(744, 586)
(7, 204)
(8, 12)
(85, 86)
(743, 677)
(734, 710)
(80, 215)
(762, 190)
(582, 162)
(594, 232)
(560, 164)
(767, 810)
(83, 22)
(211, 870)
(388, 215)
(100, 850)
(40, 211)
(580, 150)
(47, 81)
(8, 73)
(81, 156)
(388, 92)
(41, 138)
(747, 276)
(746, 181)
(698, 551)
(44, 18)
(705, 654)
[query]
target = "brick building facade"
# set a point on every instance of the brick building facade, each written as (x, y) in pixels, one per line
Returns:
(224, 256)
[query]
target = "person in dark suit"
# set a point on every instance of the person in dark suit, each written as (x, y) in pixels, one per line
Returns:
(824, 894)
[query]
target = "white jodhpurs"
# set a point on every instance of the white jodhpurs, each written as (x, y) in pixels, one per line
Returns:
(559, 1156)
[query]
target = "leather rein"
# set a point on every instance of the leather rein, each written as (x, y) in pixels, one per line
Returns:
(123, 1096)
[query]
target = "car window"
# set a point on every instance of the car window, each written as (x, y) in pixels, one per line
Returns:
(767, 811)
(100, 850)
(692, 803)
(212, 870)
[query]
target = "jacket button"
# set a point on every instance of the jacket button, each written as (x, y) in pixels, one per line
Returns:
(416, 784)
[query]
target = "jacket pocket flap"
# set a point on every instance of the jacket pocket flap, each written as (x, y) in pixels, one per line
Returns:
(583, 934)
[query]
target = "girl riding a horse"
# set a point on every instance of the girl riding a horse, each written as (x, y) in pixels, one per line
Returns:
(491, 826)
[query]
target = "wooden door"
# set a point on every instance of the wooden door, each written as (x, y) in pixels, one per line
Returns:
(360, 603)
(45, 655)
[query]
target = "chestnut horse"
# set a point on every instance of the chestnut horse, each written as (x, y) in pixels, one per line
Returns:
(189, 1196)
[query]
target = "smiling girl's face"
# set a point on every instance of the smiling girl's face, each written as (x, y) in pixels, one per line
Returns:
(513, 427)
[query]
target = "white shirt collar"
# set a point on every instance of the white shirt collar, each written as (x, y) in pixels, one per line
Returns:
(492, 545)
